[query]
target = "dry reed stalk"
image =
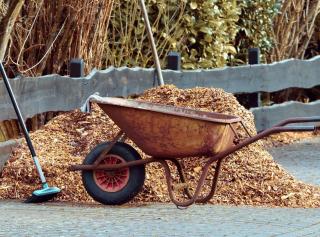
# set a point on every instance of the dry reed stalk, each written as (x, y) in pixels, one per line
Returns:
(294, 28)
(293, 31)
(9, 11)
(50, 33)
(4, 132)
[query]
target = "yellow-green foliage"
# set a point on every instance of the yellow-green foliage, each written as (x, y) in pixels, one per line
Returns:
(256, 22)
(210, 27)
(203, 31)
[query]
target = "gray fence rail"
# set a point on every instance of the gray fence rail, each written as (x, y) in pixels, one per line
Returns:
(267, 116)
(62, 93)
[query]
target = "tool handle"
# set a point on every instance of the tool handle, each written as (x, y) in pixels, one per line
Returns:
(153, 44)
(17, 110)
(298, 120)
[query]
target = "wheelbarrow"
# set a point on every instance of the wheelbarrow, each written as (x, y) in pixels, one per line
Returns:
(113, 172)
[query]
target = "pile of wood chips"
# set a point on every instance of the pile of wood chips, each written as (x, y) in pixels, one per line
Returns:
(286, 138)
(248, 177)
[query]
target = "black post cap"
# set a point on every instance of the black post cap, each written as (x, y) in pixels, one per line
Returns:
(174, 61)
(254, 55)
(77, 67)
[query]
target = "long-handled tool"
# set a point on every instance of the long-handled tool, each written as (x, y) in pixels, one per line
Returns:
(151, 39)
(46, 193)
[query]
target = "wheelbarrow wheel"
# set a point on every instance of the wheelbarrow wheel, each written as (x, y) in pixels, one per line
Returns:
(114, 187)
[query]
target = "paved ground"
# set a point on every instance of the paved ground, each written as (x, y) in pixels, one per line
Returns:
(155, 220)
(56, 219)
(301, 159)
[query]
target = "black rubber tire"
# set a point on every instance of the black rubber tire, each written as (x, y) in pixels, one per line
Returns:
(136, 175)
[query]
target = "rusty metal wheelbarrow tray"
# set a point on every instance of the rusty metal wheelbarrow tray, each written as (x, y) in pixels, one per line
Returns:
(168, 131)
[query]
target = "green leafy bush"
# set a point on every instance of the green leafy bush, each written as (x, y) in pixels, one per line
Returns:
(203, 31)
(210, 28)
(255, 25)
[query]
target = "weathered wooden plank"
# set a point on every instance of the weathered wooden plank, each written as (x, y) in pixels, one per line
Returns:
(34, 96)
(60, 93)
(252, 78)
(267, 116)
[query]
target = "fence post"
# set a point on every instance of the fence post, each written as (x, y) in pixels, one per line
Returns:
(174, 61)
(254, 58)
(77, 67)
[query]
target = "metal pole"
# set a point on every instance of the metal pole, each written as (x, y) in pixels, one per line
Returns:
(150, 35)
(22, 124)
(17, 109)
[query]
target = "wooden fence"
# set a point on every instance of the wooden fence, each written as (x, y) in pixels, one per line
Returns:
(62, 93)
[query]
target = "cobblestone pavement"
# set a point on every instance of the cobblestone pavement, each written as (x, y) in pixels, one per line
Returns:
(62, 219)
(155, 220)
(301, 159)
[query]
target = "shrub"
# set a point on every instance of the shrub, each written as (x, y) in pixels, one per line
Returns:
(203, 31)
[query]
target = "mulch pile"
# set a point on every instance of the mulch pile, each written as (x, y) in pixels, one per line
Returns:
(286, 138)
(248, 177)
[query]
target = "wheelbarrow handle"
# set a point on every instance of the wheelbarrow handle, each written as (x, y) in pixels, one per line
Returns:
(298, 120)
(310, 128)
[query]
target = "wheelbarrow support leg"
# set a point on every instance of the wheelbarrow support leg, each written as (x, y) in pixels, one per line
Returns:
(214, 184)
(181, 176)
(198, 188)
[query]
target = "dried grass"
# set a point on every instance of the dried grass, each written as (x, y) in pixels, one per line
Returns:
(49, 33)
(294, 28)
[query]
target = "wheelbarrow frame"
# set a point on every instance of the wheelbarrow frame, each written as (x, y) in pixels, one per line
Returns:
(192, 198)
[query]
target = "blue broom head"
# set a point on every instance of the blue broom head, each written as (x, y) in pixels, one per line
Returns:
(46, 191)
(43, 195)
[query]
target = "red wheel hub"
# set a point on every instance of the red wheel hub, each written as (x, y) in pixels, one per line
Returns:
(112, 181)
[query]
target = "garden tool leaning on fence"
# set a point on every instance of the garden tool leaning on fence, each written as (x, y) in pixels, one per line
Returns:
(46, 193)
